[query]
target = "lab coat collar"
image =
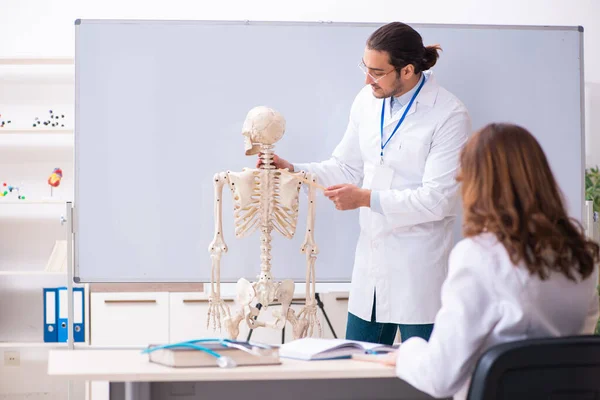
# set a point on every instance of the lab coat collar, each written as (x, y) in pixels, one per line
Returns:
(426, 97)
(429, 92)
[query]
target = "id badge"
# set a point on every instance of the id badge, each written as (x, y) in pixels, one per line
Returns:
(382, 178)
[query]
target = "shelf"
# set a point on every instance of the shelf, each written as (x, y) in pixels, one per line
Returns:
(40, 70)
(29, 273)
(41, 131)
(40, 345)
(25, 202)
(36, 138)
(30, 209)
(37, 61)
(61, 345)
(37, 147)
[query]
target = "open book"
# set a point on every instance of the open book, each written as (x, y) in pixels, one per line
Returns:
(324, 349)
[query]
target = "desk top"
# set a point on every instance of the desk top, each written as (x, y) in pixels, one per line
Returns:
(128, 365)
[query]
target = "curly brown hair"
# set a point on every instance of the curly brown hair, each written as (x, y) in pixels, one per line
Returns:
(508, 189)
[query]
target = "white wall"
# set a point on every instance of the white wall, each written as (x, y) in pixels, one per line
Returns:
(45, 27)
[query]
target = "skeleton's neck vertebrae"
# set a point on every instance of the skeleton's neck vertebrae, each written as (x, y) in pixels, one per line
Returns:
(266, 157)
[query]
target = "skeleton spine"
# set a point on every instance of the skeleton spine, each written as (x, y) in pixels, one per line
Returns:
(266, 156)
(268, 203)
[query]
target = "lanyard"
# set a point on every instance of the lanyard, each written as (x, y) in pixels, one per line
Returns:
(222, 361)
(401, 119)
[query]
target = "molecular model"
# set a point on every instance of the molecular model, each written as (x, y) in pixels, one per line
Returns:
(6, 189)
(53, 121)
(4, 122)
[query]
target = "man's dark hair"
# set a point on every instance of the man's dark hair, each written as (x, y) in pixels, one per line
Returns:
(404, 46)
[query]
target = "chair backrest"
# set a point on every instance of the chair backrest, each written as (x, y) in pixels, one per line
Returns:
(565, 368)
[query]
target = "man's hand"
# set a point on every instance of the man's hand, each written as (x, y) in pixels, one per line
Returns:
(348, 197)
(279, 163)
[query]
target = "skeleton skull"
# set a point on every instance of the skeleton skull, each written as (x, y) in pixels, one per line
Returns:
(263, 125)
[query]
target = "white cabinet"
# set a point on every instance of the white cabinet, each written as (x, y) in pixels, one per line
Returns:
(188, 316)
(130, 318)
(141, 318)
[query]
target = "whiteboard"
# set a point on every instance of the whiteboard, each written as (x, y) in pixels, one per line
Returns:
(160, 107)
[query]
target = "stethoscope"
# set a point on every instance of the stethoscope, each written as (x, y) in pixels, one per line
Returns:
(222, 361)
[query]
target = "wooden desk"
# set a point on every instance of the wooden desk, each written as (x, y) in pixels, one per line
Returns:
(133, 377)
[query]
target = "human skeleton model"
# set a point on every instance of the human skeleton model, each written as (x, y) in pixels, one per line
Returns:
(265, 199)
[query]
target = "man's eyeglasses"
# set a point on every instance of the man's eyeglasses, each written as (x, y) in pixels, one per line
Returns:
(365, 70)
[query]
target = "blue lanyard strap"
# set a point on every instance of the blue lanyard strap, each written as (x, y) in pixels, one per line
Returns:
(192, 344)
(222, 361)
(401, 119)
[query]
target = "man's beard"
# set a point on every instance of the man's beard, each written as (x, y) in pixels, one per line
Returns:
(380, 94)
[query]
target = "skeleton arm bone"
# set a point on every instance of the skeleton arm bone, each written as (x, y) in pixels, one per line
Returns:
(312, 317)
(216, 248)
(310, 249)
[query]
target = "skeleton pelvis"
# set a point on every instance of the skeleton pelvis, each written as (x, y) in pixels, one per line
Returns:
(265, 291)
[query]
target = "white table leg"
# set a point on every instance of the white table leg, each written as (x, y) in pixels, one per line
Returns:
(129, 393)
(137, 391)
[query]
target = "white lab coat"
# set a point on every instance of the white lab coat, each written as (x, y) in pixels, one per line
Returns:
(486, 300)
(402, 254)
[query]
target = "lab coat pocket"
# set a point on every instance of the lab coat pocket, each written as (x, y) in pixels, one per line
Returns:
(413, 155)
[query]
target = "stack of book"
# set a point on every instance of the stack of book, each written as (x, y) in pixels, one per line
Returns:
(244, 353)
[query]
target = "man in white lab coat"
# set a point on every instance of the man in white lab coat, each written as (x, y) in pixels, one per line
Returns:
(402, 142)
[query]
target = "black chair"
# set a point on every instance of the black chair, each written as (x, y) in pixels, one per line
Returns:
(566, 368)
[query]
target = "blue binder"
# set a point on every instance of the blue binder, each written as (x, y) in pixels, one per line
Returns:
(78, 314)
(63, 314)
(62, 325)
(50, 315)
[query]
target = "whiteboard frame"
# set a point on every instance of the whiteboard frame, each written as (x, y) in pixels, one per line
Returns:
(374, 25)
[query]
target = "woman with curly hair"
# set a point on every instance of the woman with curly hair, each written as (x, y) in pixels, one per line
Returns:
(523, 270)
